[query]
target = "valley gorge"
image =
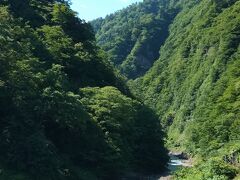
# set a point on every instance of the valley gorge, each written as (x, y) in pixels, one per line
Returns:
(150, 91)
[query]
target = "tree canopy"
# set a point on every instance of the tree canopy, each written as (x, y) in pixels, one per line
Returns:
(65, 111)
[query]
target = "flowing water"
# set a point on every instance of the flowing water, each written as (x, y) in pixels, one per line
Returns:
(174, 164)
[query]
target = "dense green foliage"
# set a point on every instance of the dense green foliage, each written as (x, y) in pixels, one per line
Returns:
(133, 36)
(194, 85)
(65, 113)
(214, 170)
(125, 121)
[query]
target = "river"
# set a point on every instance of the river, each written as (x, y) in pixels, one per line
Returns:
(174, 164)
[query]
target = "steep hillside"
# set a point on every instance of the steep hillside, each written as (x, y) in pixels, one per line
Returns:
(65, 113)
(194, 85)
(133, 36)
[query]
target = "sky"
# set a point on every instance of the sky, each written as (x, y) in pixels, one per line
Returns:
(92, 9)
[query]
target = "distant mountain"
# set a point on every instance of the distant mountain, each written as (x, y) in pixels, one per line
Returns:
(134, 35)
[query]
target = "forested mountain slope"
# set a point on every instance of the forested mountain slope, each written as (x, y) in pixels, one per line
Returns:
(133, 36)
(194, 86)
(65, 113)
